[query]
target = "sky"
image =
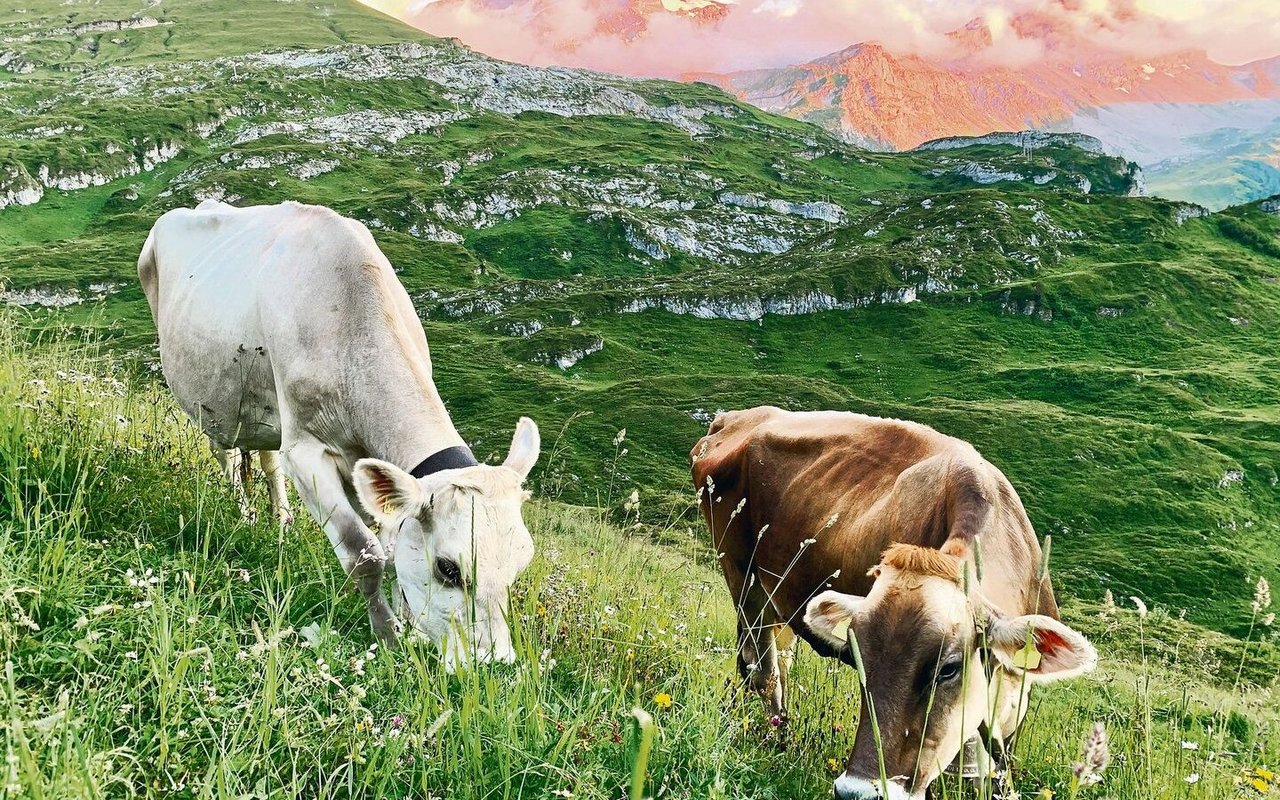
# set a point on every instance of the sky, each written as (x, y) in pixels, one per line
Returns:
(665, 38)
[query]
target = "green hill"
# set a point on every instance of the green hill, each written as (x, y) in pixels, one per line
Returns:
(602, 253)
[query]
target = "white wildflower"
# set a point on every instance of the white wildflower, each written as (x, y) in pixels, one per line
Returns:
(1261, 595)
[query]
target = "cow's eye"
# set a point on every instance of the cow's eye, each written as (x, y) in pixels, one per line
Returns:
(949, 670)
(448, 572)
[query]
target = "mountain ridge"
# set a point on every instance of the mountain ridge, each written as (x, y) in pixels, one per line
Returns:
(872, 97)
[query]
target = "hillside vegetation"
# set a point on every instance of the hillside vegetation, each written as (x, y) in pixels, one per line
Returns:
(601, 253)
(154, 644)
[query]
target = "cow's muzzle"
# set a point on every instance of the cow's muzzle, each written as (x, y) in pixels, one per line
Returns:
(850, 787)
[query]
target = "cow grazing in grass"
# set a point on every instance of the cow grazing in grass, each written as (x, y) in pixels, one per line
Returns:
(854, 531)
(283, 328)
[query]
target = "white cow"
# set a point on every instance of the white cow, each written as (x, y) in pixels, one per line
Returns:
(283, 328)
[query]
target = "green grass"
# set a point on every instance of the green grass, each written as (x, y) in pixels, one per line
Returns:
(155, 644)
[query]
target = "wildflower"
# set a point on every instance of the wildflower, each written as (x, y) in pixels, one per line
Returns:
(244, 575)
(633, 502)
(1190, 746)
(1261, 595)
(1096, 756)
(662, 700)
(1269, 619)
(1193, 778)
(1108, 604)
(620, 438)
(132, 655)
(1142, 607)
(35, 453)
(1260, 779)
(833, 765)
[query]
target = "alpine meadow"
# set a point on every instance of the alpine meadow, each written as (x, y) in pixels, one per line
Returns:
(619, 259)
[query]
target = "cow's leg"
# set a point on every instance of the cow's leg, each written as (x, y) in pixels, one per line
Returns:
(319, 482)
(759, 659)
(235, 464)
(784, 642)
(276, 486)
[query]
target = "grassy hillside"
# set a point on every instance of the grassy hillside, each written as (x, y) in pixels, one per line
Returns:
(156, 645)
(602, 254)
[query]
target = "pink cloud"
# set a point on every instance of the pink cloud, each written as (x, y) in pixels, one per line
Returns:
(646, 37)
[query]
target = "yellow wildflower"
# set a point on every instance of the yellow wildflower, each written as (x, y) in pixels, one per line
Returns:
(662, 700)
(833, 765)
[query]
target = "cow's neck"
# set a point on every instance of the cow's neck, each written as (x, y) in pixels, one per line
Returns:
(417, 436)
(406, 421)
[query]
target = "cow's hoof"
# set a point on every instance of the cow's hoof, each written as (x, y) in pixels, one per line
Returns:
(385, 627)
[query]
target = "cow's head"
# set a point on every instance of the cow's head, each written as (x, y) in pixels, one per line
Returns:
(458, 542)
(938, 663)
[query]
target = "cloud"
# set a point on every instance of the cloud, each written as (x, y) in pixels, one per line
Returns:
(672, 38)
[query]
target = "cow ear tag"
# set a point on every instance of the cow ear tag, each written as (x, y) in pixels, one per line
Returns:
(1028, 657)
(841, 629)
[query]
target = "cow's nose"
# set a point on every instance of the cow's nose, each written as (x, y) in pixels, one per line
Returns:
(847, 787)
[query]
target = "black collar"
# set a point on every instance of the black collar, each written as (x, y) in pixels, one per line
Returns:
(448, 458)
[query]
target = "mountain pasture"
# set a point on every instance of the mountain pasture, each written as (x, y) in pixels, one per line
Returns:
(603, 255)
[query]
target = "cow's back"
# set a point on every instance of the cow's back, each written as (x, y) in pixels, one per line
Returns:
(854, 484)
(241, 294)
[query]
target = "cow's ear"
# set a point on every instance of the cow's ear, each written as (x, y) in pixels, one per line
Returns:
(524, 448)
(830, 614)
(385, 490)
(1040, 647)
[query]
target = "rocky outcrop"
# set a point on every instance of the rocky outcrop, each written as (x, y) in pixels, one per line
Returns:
(821, 210)
(1185, 211)
(18, 188)
(754, 308)
(1031, 140)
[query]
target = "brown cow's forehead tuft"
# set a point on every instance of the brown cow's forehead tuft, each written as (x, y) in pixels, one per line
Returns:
(924, 561)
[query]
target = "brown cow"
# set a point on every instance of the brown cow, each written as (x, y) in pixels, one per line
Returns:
(847, 529)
